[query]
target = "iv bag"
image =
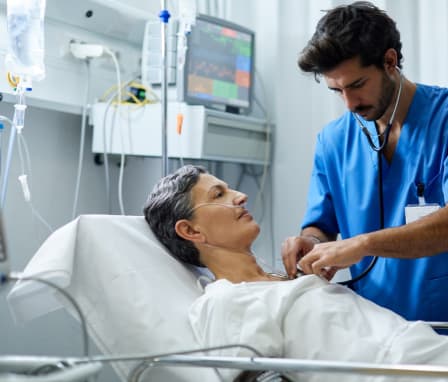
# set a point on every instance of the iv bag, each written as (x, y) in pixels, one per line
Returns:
(25, 23)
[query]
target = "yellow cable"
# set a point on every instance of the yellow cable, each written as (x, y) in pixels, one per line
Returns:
(12, 80)
(150, 96)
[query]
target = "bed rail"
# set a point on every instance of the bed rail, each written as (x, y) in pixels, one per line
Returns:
(285, 365)
(281, 365)
(437, 325)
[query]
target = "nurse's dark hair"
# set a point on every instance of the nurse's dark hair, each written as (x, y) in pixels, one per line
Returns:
(347, 31)
(168, 202)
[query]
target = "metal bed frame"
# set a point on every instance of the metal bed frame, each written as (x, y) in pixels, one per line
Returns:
(293, 365)
(282, 365)
(83, 369)
(438, 324)
(23, 368)
(20, 368)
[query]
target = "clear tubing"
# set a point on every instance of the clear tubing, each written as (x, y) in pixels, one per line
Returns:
(2, 128)
(117, 117)
(82, 142)
(18, 123)
(25, 164)
(19, 116)
(232, 206)
(2, 132)
(12, 137)
(243, 206)
(106, 156)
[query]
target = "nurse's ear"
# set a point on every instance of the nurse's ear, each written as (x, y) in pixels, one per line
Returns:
(188, 231)
(390, 60)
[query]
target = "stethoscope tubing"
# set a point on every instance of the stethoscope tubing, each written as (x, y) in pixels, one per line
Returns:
(379, 149)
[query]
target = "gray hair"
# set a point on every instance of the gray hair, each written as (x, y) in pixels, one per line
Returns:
(168, 202)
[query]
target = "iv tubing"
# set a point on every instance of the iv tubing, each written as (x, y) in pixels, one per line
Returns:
(117, 116)
(82, 141)
(19, 112)
(12, 137)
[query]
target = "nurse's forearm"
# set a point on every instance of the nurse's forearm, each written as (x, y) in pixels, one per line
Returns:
(425, 237)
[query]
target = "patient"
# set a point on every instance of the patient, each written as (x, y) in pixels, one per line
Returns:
(205, 223)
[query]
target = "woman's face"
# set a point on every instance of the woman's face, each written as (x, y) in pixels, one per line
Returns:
(221, 215)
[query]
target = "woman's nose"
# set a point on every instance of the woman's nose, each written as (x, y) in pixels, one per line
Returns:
(240, 198)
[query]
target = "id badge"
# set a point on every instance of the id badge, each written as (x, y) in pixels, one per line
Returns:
(414, 212)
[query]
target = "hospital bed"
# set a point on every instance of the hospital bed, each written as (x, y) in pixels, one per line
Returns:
(135, 297)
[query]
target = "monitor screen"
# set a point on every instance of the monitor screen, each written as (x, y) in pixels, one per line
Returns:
(219, 65)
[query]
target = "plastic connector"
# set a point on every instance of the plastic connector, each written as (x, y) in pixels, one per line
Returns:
(19, 117)
(83, 51)
(25, 189)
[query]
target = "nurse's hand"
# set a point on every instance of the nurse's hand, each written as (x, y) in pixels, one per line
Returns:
(293, 249)
(326, 258)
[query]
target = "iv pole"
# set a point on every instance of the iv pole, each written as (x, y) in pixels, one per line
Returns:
(164, 16)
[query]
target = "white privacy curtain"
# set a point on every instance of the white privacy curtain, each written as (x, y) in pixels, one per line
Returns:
(297, 105)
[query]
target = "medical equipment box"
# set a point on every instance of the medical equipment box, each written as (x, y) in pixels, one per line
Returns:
(205, 134)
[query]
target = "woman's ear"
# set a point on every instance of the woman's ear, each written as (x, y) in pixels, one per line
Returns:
(185, 229)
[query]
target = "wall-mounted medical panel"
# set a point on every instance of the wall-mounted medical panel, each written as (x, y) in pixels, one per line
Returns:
(205, 134)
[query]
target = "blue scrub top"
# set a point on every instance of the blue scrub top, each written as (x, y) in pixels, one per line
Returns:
(343, 198)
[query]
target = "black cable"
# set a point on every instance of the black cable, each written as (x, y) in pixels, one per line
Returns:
(381, 203)
(379, 149)
(386, 133)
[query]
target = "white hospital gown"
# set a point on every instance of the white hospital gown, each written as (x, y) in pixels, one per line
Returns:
(309, 318)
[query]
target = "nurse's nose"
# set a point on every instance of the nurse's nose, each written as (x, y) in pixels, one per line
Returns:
(351, 100)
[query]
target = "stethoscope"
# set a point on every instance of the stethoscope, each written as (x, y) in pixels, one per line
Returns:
(379, 149)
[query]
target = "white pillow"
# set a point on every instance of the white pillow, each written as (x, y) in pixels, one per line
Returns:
(134, 294)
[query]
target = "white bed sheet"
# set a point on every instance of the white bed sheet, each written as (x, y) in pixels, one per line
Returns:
(308, 318)
(134, 295)
(136, 299)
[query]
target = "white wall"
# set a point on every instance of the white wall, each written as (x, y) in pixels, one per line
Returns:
(300, 106)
